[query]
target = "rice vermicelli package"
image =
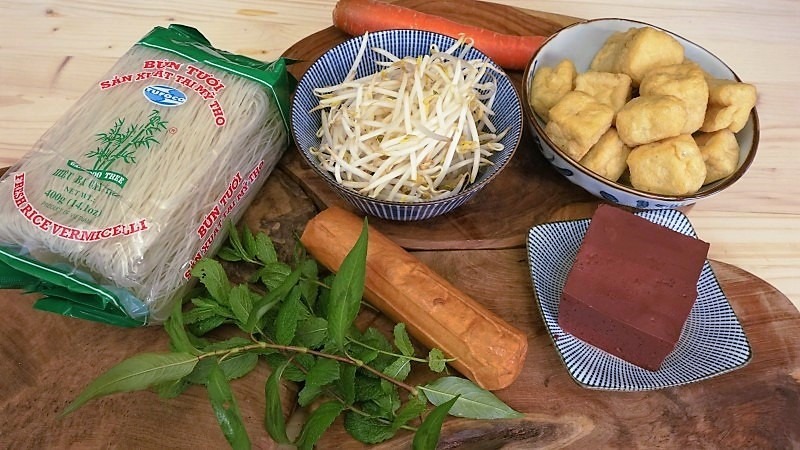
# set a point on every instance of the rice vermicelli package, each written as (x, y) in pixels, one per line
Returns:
(107, 214)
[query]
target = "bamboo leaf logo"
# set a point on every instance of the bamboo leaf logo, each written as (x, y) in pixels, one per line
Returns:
(117, 144)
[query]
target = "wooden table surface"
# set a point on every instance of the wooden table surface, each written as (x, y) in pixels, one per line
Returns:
(52, 52)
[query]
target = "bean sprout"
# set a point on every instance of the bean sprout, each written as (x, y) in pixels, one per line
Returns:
(418, 129)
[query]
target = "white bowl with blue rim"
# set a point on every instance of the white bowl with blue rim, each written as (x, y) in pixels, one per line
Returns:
(332, 67)
(580, 42)
(712, 340)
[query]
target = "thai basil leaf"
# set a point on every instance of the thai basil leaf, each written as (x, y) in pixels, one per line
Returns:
(473, 402)
(171, 389)
(136, 373)
(347, 289)
(427, 435)
(225, 409)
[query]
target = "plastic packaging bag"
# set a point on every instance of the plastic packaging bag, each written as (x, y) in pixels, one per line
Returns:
(110, 210)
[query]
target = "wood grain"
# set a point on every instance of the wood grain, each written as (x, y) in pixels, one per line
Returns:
(752, 407)
(46, 360)
(61, 48)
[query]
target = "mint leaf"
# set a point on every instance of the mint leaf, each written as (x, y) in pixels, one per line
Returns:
(414, 406)
(178, 339)
(474, 402)
(319, 421)
(213, 277)
(239, 365)
(289, 313)
(291, 372)
(228, 254)
(202, 327)
(309, 284)
(274, 422)
(225, 409)
(270, 300)
(399, 369)
(368, 430)
(248, 243)
(241, 302)
(436, 360)
(273, 274)
(346, 384)
(136, 373)
(308, 394)
(235, 241)
(367, 388)
(265, 249)
(427, 435)
(311, 332)
(402, 341)
(325, 371)
(347, 289)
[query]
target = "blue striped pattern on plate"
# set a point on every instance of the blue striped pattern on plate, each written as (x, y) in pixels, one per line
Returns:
(332, 67)
(712, 341)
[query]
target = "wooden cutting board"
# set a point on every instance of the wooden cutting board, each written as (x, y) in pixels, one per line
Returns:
(528, 191)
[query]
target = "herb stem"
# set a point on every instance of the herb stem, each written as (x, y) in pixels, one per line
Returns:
(412, 358)
(290, 348)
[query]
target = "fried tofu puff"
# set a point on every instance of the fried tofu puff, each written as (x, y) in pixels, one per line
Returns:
(612, 89)
(729, 105)
(576, 123)
(686, 81)
(549, 85)
(637, 51)
(720, 151)
(608, 157)
(672, 166)
(650, 118)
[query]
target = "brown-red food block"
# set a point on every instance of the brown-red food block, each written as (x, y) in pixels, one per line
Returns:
(631, 287)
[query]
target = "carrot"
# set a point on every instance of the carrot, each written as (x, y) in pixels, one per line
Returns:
(357, 17)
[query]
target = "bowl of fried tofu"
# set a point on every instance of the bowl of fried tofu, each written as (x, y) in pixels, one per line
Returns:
(639, 116)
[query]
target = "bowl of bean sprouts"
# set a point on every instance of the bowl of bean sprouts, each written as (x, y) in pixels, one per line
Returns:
(406, 124)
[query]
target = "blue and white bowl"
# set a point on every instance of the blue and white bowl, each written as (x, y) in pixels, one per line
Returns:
(332, 67)
(580, 42)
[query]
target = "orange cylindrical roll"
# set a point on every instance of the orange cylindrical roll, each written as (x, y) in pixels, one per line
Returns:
(488, 350)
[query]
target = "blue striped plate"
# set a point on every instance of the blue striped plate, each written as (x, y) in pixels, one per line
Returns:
(712, 341)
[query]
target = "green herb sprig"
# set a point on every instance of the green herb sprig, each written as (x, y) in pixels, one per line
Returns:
(302, 325)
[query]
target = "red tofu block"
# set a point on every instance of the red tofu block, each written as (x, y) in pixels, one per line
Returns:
(631, 287)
